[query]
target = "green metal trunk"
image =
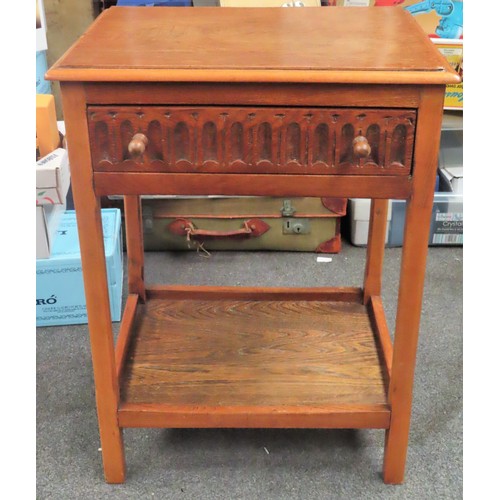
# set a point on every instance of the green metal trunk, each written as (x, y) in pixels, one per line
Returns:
(242, 223)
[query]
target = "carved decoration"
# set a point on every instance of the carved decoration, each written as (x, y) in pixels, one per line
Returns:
(253, 140)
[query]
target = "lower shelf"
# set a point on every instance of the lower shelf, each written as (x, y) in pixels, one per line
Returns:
(226, 358)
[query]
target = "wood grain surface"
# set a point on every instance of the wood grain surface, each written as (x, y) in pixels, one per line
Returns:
(253, 94)
(242, 293)
(89, 219)
(349, 186)
(252, 353)
(329, 416)
(381, 330)
(124, 334)
(135, 244)
(362, 45)
(374, 261)
(411, 285)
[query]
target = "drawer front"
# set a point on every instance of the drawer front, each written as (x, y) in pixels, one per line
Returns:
(251, 140)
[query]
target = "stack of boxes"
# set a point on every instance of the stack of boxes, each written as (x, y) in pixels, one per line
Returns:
(443, 22)
(52, 175)
(60, 298)
(447, 212)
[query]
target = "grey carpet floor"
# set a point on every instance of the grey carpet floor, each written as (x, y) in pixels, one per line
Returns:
(261, 464)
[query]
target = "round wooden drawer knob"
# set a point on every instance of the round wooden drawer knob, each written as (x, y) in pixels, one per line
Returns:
(137, 145)
(361, 147)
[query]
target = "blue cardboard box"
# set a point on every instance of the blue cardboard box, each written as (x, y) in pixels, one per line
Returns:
(60, 297)
(42, 85)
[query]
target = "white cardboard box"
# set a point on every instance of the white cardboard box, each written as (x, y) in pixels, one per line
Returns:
(48, 218)
(41, 27)
(52, 178)
(358, 210)
(451, 161)
(453, 178)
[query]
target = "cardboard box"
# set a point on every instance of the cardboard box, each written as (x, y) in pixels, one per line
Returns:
(60, 297)
(48, 218)
(453, 51)
(153, 3)
(47, 134)
(453, 177)
(52, 178)
(439, 19)
(452, 120)
(451, 161)
(42, 85)
(267, 3)
(41, 27)
(358, 210)
(354, 3)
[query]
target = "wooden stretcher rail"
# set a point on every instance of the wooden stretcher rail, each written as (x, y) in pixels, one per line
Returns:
(379, 325)
(341, 294)
(328, 417)
(124, 334)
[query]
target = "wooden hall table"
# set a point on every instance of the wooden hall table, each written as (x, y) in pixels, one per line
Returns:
(335, 102)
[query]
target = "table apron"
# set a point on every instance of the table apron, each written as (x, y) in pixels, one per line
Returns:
(344, 186)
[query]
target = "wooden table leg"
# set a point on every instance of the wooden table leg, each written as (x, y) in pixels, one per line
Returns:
(89, 221)
(135, 245)
(415, 245)
(375, 249)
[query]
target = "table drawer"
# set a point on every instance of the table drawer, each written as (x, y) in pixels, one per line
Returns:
(215, 139)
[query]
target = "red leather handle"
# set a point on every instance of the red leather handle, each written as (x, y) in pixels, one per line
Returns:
(252, 228)
(192, 231)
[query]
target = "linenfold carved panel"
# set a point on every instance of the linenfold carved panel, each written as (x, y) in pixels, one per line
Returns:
(252, 140)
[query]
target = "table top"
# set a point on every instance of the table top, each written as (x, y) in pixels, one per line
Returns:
(313, 44)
